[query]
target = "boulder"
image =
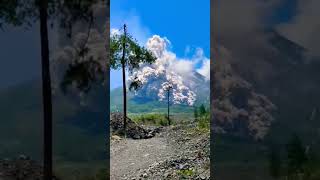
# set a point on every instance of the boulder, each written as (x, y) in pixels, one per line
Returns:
(134, 130)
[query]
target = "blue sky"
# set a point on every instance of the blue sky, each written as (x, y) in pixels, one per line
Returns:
(185, 23)
(284, 12)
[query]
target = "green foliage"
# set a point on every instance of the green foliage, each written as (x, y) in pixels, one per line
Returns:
(202, 110)
(301, 163)
(134, 54)
(151, 119)
(22, 13)
(65, 14)
(195, 113)
(204, 123)
(84, 74)
(125, 51)
(296, 155)
(202, 116)
(185, 173)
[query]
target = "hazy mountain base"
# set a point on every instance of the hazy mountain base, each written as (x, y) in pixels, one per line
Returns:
(138, 105)
(78, 133)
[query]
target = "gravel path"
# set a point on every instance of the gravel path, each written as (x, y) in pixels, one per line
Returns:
(174, 153)
(128, 156)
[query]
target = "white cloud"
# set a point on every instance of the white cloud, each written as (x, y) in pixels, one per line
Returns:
(183, 67)
(134, 25)
(187, 50)
(200, 57)
(205, 69)
(114, 31)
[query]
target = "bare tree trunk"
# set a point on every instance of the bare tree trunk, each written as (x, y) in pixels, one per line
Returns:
(169, 107)
(46, 91)
(124, 83)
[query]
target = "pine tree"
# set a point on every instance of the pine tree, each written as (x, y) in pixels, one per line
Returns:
(202, 110)
(126, 54)
(195, 113)
(275, 162)
(296, 157)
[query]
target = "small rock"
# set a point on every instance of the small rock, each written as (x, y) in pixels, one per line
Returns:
(202, 177)
(23, 157)
(166, 175)
(115, 137)
(136, 136)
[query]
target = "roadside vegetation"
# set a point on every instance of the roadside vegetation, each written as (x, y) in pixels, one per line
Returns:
(202, 117)
(153, 119)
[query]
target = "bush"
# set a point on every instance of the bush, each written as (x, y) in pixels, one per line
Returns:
(204, 122)
(151, 119)
(186, 173)
(202, 117)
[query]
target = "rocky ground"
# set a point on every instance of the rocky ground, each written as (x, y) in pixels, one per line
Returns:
(21, 168)
(176, 152)
(134, 131)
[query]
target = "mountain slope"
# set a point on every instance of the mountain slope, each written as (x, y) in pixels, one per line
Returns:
(138, 104)
(147, 100)
(292, 84)
(283, 73)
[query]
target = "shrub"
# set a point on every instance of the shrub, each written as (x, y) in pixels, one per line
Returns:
(151, 119)
(202, 117)
(186, 173)
(204, 122)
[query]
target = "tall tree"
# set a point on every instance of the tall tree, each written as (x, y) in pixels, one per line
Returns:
(202, 110)
(46, 90)
(297, 158)
(195, 113)
(275, 162)
(168, 89)
(127, 54)
(22, 13)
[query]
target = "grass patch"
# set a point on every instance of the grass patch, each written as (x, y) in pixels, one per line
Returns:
(204, 123)
(202, 117)
(185, 173)
(155, 119)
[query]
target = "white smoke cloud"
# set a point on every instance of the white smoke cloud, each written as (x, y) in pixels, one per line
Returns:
(182, 66)
(114, 32)
(199, 57)
(205, 69)
(158, 45)
(169, 70)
